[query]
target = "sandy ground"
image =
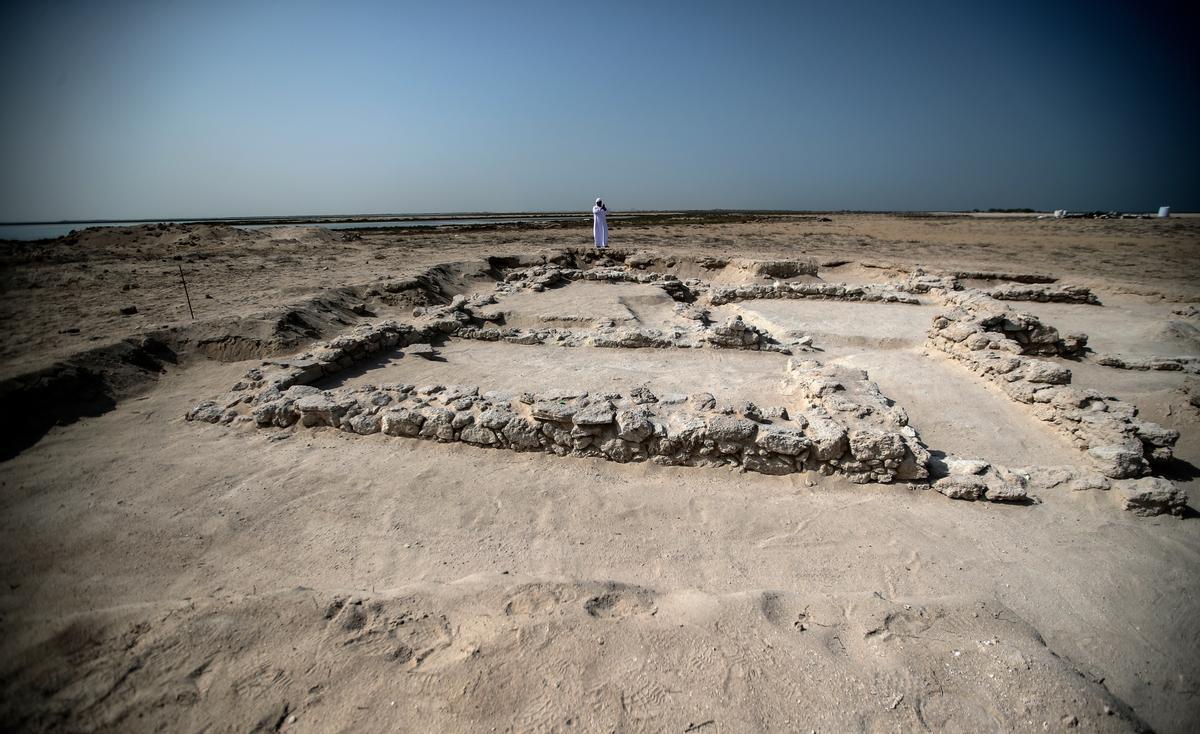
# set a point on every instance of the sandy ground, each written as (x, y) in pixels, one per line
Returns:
(48, 289)
(160, 574)
(517, 369)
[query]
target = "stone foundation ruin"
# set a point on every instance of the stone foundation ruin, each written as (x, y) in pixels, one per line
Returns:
(829, 418)
(995, 343)
(845, 425)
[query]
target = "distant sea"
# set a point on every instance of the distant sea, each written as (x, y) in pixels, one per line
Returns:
(40, 231)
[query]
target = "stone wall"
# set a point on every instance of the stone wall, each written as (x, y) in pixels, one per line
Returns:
(540, 277)
(1044, 293)
(1162, 364)
(271, 383)
(979, 319)
(720, 295)
(883, 445)
(733, 334)
(1020, 288)
(831, 419)
(778, 268)
(995, 343)
(470, 318)
(838, 422)
(1028, 278)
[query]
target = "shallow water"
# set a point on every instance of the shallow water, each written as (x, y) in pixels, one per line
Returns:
(50, 230)
(46, 231)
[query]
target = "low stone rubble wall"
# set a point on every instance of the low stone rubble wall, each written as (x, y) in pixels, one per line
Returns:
(1150, 496)
(271, 382)
(980, 480)
(979, 319)
(720, 295)
(733, 334)
(994, 342)
(657, 261)
(920, 281)
(831, 419)
(1044, 293)
(1027, 278)
(778, 268)
(1162, 364)
(1022, 288)
(839, 423)
(832, 396)
(469, 318)
(540, 277)
(975, 479)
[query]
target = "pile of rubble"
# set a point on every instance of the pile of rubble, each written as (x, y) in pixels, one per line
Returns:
(737, 334)
(995, 343)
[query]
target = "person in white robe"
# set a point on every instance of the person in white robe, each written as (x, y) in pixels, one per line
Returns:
(600, 224)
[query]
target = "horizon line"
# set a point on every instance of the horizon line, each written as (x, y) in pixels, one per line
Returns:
(547, 213)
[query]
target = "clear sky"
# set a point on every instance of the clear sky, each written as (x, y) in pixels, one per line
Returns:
(179, 109)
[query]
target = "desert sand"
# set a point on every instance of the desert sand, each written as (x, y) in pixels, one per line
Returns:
(161, 573)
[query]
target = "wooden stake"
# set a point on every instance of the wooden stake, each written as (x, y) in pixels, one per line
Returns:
(185, 293)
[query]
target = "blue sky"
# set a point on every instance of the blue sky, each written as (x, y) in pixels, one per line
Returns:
(178, 109)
